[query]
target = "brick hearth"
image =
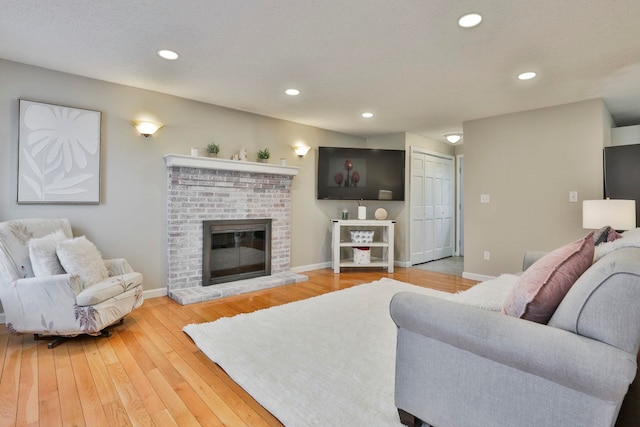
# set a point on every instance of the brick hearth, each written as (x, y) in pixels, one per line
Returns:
(201, 188)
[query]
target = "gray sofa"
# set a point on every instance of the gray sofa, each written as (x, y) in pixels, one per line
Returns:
(459, 365)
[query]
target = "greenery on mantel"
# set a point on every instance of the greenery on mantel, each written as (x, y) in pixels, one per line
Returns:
(263, 154)
(213, 148)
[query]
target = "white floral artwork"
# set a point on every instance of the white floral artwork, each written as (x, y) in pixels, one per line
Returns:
(59, 154)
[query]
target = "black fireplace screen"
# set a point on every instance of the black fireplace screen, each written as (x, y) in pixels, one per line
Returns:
(235, 250)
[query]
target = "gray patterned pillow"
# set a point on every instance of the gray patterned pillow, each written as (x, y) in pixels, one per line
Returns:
(600, 236)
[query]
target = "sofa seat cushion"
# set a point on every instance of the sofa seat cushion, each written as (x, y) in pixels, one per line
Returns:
(108, 288)
(541, 288)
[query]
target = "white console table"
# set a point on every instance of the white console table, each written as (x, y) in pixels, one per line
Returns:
(382, 242)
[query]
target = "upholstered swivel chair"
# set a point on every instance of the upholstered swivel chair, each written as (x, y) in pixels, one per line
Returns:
(41, 297)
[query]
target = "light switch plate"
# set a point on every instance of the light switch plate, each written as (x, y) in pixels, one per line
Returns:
(573, 196)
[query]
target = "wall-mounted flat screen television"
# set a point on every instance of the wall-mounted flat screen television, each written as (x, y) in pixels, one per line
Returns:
(360, 174)
(622, 174)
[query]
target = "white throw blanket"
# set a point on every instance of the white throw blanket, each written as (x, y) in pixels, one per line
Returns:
(488, 295)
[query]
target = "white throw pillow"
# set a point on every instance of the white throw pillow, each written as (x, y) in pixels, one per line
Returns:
(81, 257)
(626, 242)
(42, 253)
(633, 234)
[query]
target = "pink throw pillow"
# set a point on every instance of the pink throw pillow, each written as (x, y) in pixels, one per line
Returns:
(541, 288)
(613, 235)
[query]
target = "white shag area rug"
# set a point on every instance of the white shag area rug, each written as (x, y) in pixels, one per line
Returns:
(324, 361)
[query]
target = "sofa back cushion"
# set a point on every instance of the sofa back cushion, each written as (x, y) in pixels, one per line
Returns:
(604, 303)
(42, 253)
(542, 286)
(14, 244)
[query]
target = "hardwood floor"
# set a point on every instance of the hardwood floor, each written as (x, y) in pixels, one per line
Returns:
(149, 372)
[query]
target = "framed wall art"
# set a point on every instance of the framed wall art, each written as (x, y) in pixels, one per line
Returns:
(58, 154)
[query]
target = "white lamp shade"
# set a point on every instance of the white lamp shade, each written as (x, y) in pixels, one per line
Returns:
(619, 214)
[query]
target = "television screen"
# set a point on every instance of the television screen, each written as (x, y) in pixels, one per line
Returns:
(360, 174)
(622, 174)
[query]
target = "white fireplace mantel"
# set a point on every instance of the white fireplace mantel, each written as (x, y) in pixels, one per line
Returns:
(181, 160)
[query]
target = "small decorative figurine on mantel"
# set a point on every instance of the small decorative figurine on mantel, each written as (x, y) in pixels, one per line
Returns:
(243, 154)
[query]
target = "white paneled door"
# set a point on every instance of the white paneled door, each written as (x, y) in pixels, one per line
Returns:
(432, 206)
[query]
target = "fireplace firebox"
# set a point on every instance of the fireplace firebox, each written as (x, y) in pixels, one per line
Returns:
(235, 250)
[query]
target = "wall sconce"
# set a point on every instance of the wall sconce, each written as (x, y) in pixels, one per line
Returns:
(147, 129)
(301, 150)
(453, 137)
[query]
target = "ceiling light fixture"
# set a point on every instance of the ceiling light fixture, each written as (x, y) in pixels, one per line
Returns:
(292, 92)
(367, 115)
(453, 137)
(470, 20)
(167, 54)
(147, 129)
(528, 75)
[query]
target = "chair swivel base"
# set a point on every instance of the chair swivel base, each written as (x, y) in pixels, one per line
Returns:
(56, 340)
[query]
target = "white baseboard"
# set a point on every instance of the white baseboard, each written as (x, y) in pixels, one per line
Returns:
(474, 276)
(329, 264)
(162, 292)
(310, 267)
(155, 293)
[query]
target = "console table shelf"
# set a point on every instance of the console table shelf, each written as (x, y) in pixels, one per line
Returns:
(383, 243)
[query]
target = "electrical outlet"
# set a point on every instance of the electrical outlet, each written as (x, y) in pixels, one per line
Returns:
(487, 255)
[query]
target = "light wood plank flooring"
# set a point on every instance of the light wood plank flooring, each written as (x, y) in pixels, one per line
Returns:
(149, 372)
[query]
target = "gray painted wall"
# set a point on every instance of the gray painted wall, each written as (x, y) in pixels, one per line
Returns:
(528, 162)
(130, 221)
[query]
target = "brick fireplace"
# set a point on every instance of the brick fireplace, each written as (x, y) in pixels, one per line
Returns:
(205, 189)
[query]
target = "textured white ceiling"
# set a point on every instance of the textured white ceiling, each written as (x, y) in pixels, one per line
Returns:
(404, 60)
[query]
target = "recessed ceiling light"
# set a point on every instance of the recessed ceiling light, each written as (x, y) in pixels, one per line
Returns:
(292, 92)
(470, 20)
(527, 75)
(168, 54)
(367, 115)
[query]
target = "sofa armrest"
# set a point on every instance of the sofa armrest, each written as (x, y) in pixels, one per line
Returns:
(118, 267)
(530, 257)
(571, 360)
(59, 284)
(23, 297)
(42, 305)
